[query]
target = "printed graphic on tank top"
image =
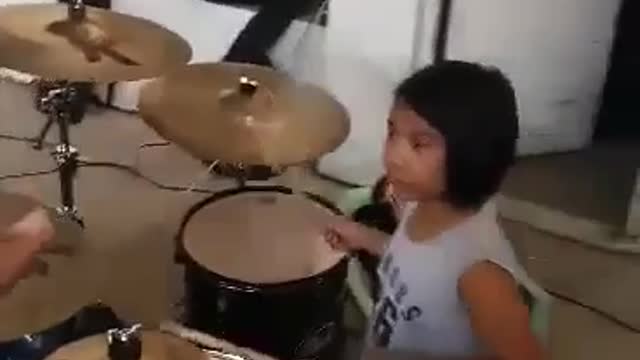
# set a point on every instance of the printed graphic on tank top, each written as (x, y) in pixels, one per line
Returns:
(419, 307)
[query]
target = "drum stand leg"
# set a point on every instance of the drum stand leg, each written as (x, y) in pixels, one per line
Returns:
(59, 104)
(39, 141)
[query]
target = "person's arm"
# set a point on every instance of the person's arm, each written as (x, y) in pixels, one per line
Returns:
(351, 236)
(498, 315)
(20, 244)
(16, 260)
(376, 243)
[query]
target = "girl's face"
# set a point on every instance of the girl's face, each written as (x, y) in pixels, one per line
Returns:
(414, 156)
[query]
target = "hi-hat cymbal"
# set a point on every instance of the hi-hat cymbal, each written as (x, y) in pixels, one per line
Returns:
(155, 346)
(104, 46)
(42, 301)
(240, 113)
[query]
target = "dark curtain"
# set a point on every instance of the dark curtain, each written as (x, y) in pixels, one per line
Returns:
(619, 116)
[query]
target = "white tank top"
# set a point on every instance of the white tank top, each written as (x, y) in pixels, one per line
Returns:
(420, 308)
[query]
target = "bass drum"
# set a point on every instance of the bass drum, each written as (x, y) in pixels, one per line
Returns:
(260, 274)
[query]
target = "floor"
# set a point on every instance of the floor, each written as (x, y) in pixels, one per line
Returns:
(127, 252)
(595, 183)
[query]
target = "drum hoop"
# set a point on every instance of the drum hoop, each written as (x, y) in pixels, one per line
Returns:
(247, 189)
(243, 286)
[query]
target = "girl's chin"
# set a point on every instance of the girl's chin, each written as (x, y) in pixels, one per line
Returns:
(406, 197)
(402, 194)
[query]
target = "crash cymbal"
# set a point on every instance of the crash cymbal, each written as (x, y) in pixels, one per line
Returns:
(240, 113)
(45, 300)
(155, 346)
(103, 46)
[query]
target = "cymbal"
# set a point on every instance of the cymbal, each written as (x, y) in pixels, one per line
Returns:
(42, 301)
(104, 46)
(155, 346)
(241, 113)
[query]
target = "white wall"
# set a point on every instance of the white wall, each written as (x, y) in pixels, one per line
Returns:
(365, 61)
(359, 61)
(209, 28)
(556, 53)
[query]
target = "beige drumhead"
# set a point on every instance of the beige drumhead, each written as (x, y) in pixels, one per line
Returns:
(155, 346)
(261, 237)
(39, 302)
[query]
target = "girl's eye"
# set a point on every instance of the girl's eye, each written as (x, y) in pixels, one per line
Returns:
(420, 144)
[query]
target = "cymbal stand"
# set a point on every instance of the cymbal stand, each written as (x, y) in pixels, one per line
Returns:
(60, 105)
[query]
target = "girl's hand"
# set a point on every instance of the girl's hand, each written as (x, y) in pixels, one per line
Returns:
(351, 236)
(346, 236)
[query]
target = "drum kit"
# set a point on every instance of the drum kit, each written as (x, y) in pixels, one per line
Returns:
(287, 302)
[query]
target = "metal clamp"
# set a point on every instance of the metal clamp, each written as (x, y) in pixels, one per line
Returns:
(64, 153)
(125, 343)
(76, 10)
(58, 99)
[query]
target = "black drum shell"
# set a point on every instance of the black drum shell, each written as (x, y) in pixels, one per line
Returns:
(300, 319)
(89, 321)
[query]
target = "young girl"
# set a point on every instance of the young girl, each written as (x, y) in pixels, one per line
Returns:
(449, 279)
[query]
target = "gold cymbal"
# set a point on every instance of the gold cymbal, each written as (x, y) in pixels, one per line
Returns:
(241, 113)
(103, 46)
(42, 301)
(155, 346)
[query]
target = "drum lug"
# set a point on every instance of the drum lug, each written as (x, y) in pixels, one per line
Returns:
(125, 344)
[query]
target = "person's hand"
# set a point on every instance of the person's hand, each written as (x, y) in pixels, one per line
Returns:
(346, 235)
(34, 230)
(22, 242)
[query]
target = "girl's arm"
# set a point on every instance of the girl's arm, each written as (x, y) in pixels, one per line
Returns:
(386, 354)
(376, 243)
(351, 236)
(498, 315)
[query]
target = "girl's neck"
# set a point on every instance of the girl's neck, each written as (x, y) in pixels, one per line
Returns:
(432, 218)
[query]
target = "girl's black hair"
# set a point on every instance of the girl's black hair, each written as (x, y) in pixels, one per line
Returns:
(474, 108)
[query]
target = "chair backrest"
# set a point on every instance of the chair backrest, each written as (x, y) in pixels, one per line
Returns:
(353, 199)
(539, 312)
